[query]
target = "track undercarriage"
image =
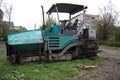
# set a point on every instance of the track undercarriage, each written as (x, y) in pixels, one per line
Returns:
(84, 49)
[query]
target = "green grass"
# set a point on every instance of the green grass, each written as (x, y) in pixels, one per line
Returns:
(46, 71)
(109, 47)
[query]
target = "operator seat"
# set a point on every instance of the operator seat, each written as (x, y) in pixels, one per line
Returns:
(74, 25)
(70, 26)
(63, 22)
(67, 25)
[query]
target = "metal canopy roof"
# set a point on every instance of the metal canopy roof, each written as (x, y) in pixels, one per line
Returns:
(66, 8)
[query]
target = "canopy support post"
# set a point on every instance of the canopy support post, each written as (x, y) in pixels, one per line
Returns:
(57, 15)
(70, 18)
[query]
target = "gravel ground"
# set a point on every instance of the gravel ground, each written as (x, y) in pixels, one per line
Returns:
(110, 53)
(109, 70)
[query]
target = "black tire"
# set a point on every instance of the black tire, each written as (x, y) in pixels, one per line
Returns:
(13, 58)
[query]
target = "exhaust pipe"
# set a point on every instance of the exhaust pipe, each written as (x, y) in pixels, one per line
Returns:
(43, 26)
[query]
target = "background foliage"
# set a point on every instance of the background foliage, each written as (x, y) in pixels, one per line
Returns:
(107, 32)
(49, 22)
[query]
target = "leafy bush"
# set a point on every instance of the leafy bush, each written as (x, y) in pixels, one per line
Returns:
(5, 30)
(49, 21)
(117, 34)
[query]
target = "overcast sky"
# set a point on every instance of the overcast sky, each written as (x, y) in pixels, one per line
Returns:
(27, 13)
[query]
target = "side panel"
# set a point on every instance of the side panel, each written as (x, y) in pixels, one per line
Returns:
(26, 48)
(28, 37)
(59, 42)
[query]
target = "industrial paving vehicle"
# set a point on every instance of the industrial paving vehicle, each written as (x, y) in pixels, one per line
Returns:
(63, 41)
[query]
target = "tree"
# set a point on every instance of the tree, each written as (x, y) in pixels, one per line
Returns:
(8, 12)
(1, 22)
(1, 18)
(5, 30)
(105, 25)
(21, 29)
(5, 26)
(117, 34)
(18, 29)
(1, 15)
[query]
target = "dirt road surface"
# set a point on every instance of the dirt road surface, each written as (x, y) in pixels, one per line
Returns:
(108, 70)
(110, 53)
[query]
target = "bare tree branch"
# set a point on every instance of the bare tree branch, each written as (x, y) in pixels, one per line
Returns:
(107, 17)
(8, 12)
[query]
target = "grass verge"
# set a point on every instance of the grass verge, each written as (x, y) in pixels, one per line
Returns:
(46, 71)
(109, 47)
